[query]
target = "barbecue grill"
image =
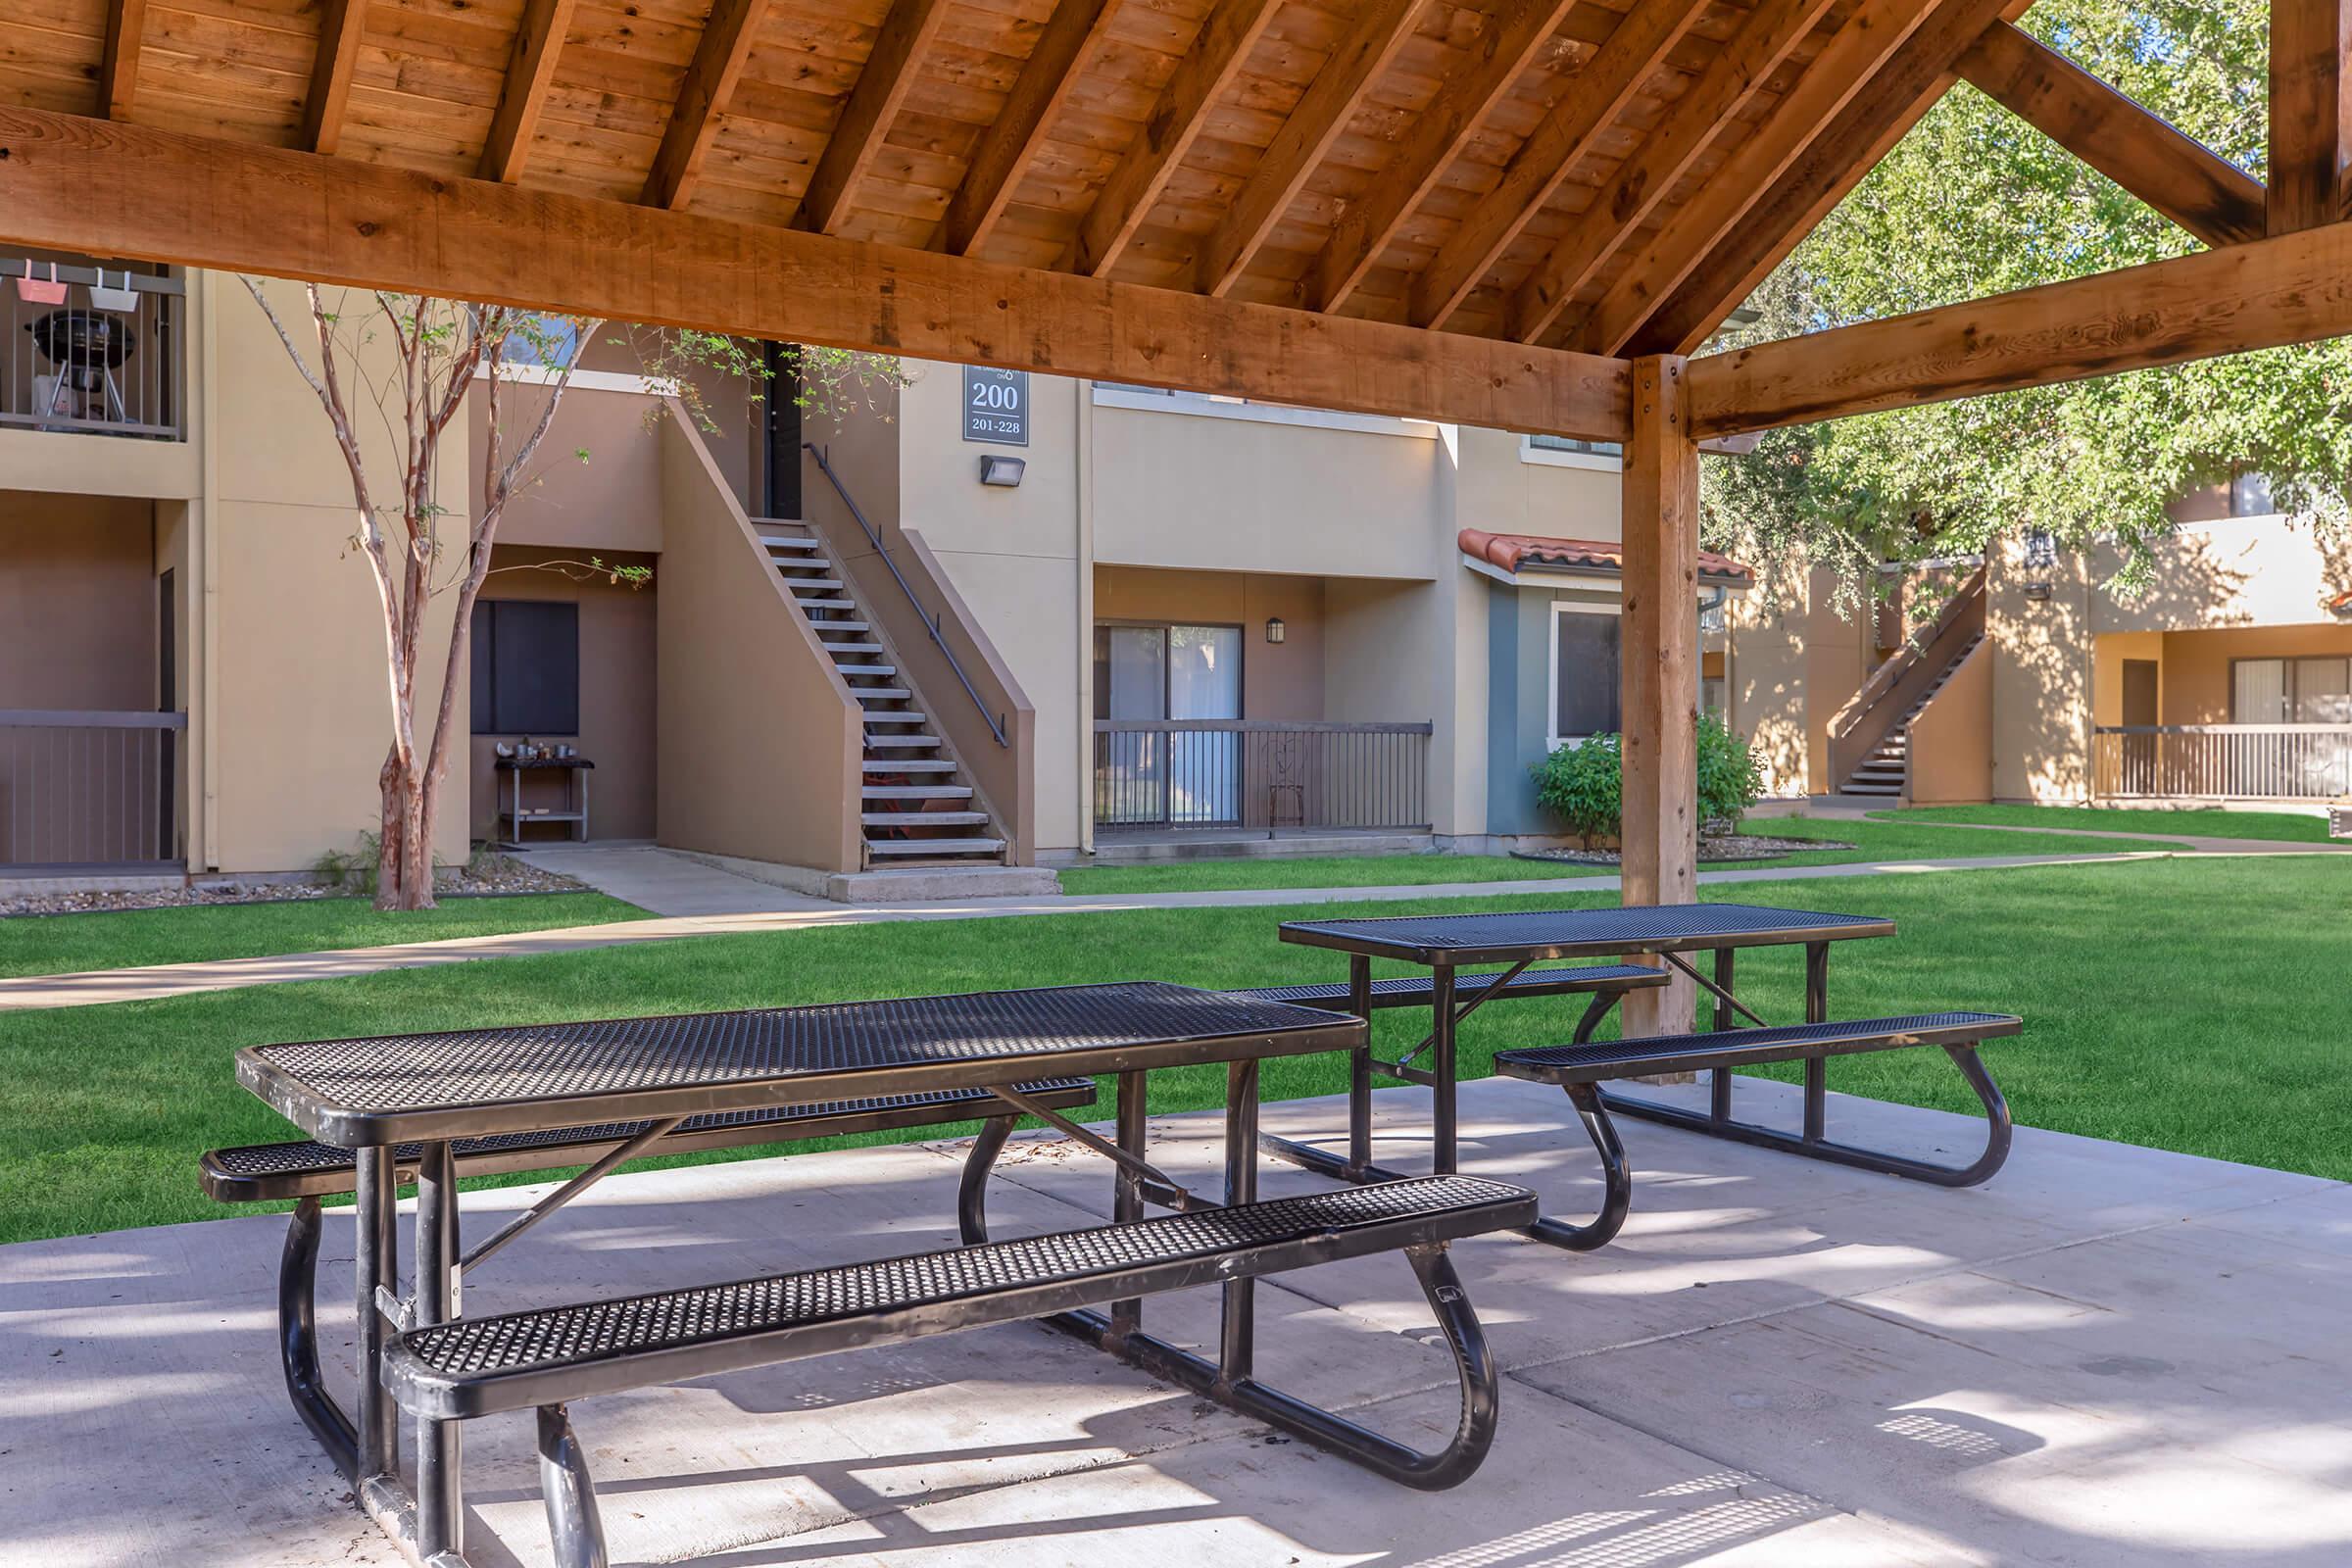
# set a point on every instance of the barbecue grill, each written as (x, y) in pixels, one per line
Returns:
(86, 347)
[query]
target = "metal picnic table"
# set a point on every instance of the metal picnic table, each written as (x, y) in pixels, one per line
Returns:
(636, 1080)
(1447, 943)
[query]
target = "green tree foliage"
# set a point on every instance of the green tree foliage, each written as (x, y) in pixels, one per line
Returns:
(1976, 202)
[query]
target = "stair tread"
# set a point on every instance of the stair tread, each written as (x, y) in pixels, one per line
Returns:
(915, 792)
(901, 847)
(924, 818)
(887, 764)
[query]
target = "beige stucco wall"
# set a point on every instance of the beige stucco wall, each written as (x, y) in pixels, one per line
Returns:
(1951, 738)
(2041, 677)
(78, 605)
(1767, 687)
(608, 500)
(2230, 572)
(2193, 680)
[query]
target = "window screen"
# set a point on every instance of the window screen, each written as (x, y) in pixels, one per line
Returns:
(526, 668)
(1584, 683)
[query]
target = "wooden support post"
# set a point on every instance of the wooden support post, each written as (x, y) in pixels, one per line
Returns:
(1659, 656)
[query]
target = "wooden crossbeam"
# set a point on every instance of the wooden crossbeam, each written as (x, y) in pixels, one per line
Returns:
(119, 72)
(2180, 176)
(710, 77)
(1513, 39)
(1832, 163)
(1366, 51)
(1067, 44)
(72, 182)
(1597, 94)
(2311, 122)
(1714, 212)
(866, 120)
(2268, 293)
(1711, 108)
(1206, 70)
(529, 69)
(340, 22)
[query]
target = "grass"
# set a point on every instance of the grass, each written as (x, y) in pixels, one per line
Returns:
(1873, 840)
(129, 939)
(2181, 1003)
(2281, 826)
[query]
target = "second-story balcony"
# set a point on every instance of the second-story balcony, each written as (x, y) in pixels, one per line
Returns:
(93, 347)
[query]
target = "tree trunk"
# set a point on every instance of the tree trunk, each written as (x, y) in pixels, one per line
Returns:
(404, 861)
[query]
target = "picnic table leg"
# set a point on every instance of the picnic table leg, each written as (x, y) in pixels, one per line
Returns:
(1237, 1344)
(440, 1498)
(1127, 1190)
(298, 1340)
(1359, 1069)
(375, 1263)
(1719, 1082)
(1441, 1067)
(1817, 1068)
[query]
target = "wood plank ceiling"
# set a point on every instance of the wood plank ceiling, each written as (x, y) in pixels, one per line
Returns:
(1541, 171)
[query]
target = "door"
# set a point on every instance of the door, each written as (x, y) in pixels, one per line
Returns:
(781, 417)
(1143, 674)
(2140, 684)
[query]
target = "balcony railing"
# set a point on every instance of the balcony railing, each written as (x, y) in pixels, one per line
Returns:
(107, 358)
(1268, 775)
(80, 790)
(2222, 761)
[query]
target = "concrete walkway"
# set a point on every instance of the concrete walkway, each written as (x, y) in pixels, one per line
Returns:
(161, 980)
(2108, 1357)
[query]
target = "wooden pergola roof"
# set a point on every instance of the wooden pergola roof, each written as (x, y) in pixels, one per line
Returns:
(1463, 208)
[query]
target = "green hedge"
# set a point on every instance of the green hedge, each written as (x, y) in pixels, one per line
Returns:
(1584, 785)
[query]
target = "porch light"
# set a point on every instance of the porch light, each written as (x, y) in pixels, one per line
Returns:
(1275, 629)
(1002, 471)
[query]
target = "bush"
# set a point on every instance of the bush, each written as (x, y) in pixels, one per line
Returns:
(1584, 785)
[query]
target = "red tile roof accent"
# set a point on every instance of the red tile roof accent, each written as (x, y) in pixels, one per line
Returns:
(1513, 551)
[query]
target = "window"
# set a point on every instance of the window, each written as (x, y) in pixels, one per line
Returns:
(2251, 496)
(1713, 698)
(549, 342)
(1562, 443)
(1584, 674)
(2290, 691)
(526, 668)
(1147, 673)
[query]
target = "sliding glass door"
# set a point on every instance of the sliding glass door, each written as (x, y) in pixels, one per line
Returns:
(1146, 772)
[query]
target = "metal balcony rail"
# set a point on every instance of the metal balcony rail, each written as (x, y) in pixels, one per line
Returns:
(1268, 774)
(82, 790)
(107, 358)
(2222, 761)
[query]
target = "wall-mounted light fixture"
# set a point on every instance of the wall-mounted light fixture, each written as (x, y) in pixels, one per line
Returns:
(1276, 631)
(1002, 471)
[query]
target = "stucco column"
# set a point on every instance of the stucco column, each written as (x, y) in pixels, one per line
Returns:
(1659, 661)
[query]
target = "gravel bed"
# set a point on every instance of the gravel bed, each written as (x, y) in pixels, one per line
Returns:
(488, 876)
(1722, 847)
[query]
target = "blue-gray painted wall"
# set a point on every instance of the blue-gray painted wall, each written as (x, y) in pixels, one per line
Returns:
(1518, 692)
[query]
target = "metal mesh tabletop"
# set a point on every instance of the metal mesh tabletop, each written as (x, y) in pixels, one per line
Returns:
(473, 1083)
(1473, 937)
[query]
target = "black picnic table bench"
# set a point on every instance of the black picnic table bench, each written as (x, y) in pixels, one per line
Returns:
(433, 1108)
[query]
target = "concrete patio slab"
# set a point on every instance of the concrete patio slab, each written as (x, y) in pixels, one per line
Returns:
(2108, 1355)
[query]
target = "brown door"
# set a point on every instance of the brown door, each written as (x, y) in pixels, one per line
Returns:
(2140, 713)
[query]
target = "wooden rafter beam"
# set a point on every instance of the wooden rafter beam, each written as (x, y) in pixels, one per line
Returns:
(1832, 163)
(2268, 293)
(1712, 107)
(866, 120)
(1300, 146)
(703, 97)
(2311, 121)
(1693, 230)
(1202, 77)
(2180, 177)
(1597, 94)
(1514, 38)
(77, 184)
(1064, 48)
(119, 72)
(340, 22)
(529, 70)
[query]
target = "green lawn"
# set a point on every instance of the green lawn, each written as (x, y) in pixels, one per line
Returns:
(2285, 827)
(126, 938)
(1873, 840)
(2182, 1003)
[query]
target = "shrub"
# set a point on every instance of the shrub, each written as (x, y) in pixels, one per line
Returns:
(1584, 785)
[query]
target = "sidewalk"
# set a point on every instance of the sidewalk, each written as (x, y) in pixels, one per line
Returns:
(793, 913)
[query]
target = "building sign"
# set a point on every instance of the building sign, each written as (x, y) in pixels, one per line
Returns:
(996, 406)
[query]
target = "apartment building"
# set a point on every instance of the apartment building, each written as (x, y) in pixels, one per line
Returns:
(985, 622)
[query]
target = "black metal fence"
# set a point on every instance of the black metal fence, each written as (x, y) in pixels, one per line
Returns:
(1262, 774)
(2222, 761)
(91, 348)
(82, 789)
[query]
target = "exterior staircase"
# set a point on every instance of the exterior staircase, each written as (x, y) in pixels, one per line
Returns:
(1885, 769)
(919, 809)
